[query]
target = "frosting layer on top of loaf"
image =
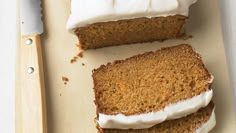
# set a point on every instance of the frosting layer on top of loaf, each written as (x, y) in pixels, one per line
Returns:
(85, 12)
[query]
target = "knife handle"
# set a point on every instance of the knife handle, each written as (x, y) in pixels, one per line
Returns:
(33, 100)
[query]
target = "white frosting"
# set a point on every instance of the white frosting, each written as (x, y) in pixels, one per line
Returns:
(209, 125)
(150, 119)
(85, 12)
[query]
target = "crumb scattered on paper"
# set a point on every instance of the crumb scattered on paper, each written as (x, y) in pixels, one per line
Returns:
(75, 58)
(83, 64)
(78, 46)
(65, 80)
(80, 54)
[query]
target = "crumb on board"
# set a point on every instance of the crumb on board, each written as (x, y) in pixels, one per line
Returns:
(78, 46)
(83, 64)
(80, 54)
(75, 58)
(65, 80)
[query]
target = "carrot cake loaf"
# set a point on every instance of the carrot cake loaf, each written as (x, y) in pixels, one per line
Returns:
(147, 89)
(100, 23)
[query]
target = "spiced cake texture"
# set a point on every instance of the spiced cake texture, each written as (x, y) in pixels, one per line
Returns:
(150, 81)
(188, 124)
(129, 31)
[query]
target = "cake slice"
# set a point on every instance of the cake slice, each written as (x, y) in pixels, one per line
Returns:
(101, 23)
(200, 122)
(147, 89)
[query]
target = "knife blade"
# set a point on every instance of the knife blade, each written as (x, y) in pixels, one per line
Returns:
(30, 15)
(33, 104)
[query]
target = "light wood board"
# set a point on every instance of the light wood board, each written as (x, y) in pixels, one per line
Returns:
(70, 107)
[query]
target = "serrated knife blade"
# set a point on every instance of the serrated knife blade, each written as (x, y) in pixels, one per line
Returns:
(33, 103)
(30, 16)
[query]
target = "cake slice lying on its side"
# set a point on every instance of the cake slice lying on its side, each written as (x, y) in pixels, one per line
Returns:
(101, 23)
(147, 89)
(200, 122)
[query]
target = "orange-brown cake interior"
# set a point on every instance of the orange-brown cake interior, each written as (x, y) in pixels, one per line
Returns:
(149, 82)
(136, 30)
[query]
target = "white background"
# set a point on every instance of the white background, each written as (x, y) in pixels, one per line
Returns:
(228, 17)
(8, 41)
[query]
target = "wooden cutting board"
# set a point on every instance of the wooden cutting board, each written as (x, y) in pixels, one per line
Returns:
(70, 107)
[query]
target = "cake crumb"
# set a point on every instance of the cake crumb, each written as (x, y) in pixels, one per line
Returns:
(74, 59)
(80, 54)
(83, 64)
(78, 45)
(65, 80)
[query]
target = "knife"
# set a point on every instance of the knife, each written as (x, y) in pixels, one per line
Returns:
(33, 101)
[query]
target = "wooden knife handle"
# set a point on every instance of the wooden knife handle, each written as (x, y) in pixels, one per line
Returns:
(33, 100)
